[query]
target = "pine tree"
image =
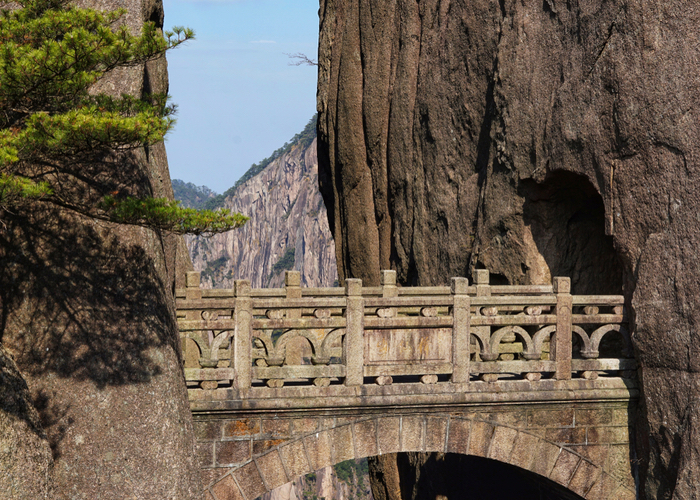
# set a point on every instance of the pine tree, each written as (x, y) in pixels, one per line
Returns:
(61, 141)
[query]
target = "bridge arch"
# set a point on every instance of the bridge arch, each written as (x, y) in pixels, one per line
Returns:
(593, 472)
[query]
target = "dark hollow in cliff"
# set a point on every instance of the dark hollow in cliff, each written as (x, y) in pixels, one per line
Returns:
(566, 216)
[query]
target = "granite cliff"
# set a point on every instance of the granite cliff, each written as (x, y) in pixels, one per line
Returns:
(288, 228)
(533, 139)
(92, 396)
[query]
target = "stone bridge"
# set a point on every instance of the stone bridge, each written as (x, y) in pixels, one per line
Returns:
(283, 382)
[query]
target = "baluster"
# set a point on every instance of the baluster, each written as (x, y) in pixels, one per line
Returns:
(460, 331)
(354, 348)
(483, 289)
(243, 316)
(562, 336)
(296, 349)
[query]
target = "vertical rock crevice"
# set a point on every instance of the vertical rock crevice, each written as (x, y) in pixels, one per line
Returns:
(536, 139)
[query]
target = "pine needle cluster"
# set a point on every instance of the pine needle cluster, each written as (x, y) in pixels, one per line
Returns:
(62, 142)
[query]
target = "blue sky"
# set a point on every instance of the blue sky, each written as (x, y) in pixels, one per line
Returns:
(238, 98)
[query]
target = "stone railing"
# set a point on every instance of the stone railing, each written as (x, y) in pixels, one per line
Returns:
(244, 338)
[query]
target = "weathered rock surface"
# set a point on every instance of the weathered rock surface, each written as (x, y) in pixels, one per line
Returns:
(25, 455)
(287, 215)
(88, 316)
(534, 139)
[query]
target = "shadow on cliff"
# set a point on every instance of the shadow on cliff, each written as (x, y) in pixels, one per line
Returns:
(81, 300)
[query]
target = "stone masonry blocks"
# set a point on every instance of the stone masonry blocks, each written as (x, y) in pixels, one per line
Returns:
(584, 448)
(318, 447)
(435, 434)
(389, 435)
(596, 454)
(232, 452)
(249, 479)
(522, 453)
(566, 436)
(294, 459)
(227, 489)
(411, 433)
(623, 493)
(301, 426)
(544, 457)
(618, 464)
(263, 445)
(205, 453)
(277, 428)
(207, 430)
(551, 418)
(210, 476)
(608, 435)
(458, 439)
(342, 444)
(272, 470)
(564, 468)
(365, 433)
(603, 488)
(480, 438)
(502, 443)
(597, 416)
(585, 476)
(242, 427)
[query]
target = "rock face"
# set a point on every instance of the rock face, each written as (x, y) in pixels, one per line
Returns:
(288, 229)
(534, 139)
(94, 403)
(25, 454)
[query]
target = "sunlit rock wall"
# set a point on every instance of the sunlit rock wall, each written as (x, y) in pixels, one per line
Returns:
(287, 216)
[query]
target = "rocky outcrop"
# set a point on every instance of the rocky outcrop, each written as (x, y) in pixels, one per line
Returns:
(288, 229)
(533, 139)
(88, 322)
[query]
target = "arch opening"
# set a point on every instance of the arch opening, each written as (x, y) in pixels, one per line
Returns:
(425, 476)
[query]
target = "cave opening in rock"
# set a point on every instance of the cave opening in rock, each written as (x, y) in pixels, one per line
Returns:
(430, 476)
(566, 217)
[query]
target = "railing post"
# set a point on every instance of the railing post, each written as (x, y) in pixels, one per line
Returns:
(354, 348)
(460, 331)
(292, 287)
(244, 333)
(389, 289)
(483, 288)
(192, 280)
(562, 335)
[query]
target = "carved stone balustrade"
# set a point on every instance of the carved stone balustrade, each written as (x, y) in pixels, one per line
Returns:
(242, 341)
